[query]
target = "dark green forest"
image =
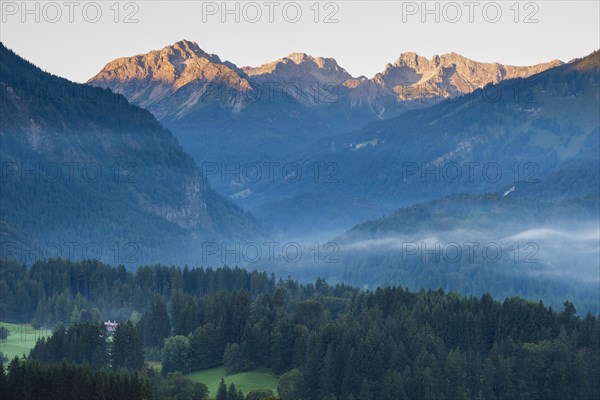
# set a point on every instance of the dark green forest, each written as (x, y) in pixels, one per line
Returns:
(325, 342)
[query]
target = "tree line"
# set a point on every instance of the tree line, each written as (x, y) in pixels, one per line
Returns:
(325, 342)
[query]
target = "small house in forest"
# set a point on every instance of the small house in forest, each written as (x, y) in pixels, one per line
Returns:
(111, 327)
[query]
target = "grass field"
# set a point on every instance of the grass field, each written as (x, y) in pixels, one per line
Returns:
(21, 339)
(246, 381)
(154, 364)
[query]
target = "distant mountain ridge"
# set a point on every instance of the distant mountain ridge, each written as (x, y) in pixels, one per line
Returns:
(344, 127)
(161, 73)
(300, 66)
(226, 115)
(448, 75)
(540, 135)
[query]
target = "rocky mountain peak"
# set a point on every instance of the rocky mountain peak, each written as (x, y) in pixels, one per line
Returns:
(188, 50)
(298, 58)
(446, 75)
(300, 68)
(148, 79)
(412, 60)
(419, 63)
(186, 46)
(320, 62)
(155, 80)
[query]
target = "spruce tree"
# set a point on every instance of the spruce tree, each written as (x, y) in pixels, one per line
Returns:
(222, 391)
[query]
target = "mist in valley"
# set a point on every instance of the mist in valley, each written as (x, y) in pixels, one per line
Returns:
(552, 261)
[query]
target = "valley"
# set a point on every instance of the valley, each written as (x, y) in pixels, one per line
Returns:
(179, 226)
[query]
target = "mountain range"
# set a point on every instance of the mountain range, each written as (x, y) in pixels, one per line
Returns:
(539, 136)
(176, 80)
(444, 146)
(286, 111)
(517, 172)
(225, 114)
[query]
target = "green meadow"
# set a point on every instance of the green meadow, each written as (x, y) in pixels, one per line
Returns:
(21, 338)
(246, 381)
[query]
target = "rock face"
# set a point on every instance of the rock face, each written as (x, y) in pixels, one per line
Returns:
(172, 80)
(311, 80)
(300, 68)
(449, 75)
(181, 77)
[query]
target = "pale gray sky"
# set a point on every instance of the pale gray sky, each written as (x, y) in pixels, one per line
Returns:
(366, 36)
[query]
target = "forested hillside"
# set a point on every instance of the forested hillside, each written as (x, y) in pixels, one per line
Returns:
(505, 245)
(87, 175)
(325, 342)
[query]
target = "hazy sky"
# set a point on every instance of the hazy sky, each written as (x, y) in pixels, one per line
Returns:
(77, 41)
